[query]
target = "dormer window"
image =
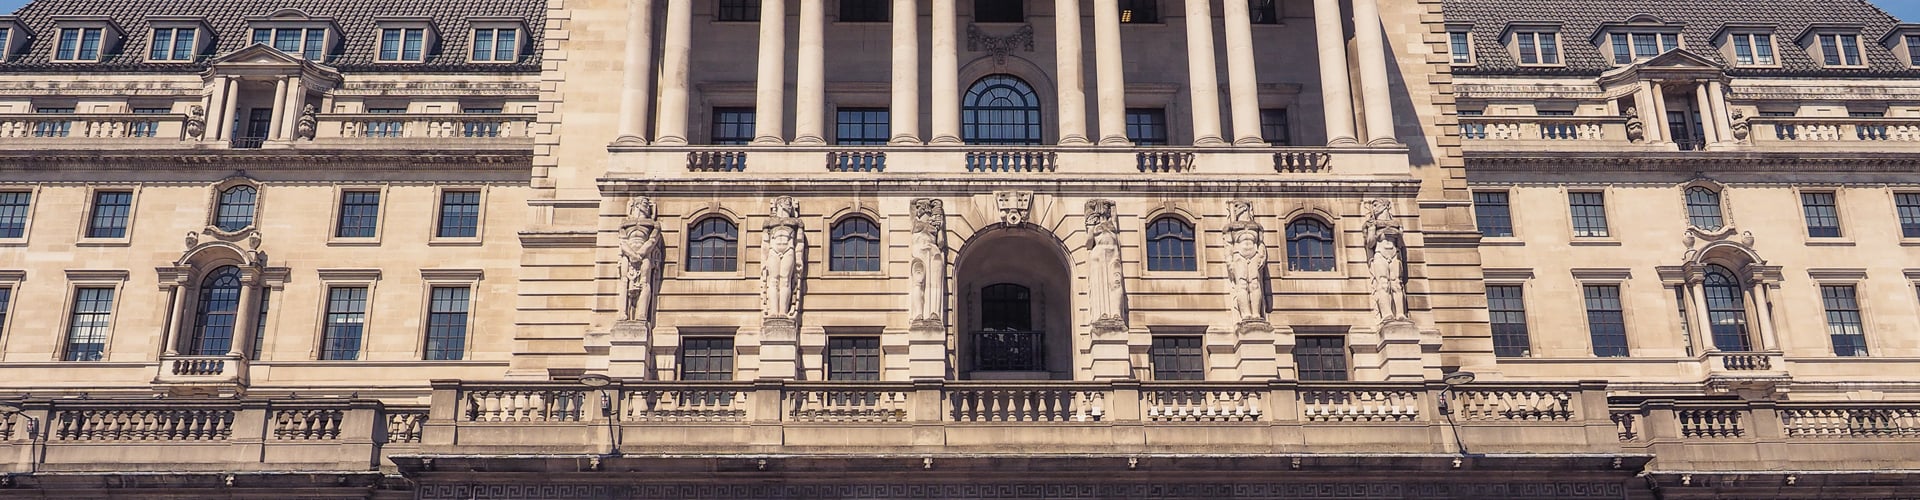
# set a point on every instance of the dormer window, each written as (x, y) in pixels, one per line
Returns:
(1840, 49)
(79, 44)
(1753, 49)
(1460, 44)
(308, 43)
(402, 44)
(173, 44)
(1538, 48)
(496, 40)
(6, 41)
(1637, 46)
(1913, 50)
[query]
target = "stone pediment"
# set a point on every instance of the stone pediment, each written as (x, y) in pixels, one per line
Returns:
(1677, 64)
(257, 55)
(1679, 58)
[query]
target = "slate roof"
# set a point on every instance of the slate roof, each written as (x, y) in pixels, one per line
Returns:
(1702, 19)
(228, 20)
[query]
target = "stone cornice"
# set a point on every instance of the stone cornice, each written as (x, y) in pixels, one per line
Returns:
(384, 88)
(19, 159)
(1674, 161)
(1221, 185)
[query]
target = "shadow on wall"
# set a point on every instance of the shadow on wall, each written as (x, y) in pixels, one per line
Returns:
(1406, 113)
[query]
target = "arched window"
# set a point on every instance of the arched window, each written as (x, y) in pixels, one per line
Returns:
(713, 246)
(1726, 310)
(1006, 307)
(1000, 109)
(235, 211)
(1309, 245)
(855, 246)
(1703, 208)
(214, 320)
(1170, 245)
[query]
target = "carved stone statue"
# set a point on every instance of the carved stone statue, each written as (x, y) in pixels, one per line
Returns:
(305, 128)
(640, 258)
(1636, 130)
(1740, 125)
(1385, 264)
(1246, 263)
(1380, 222)
(926, 300)
(1014, 206)
(1106, 292)
(784, 262)
(196, 122)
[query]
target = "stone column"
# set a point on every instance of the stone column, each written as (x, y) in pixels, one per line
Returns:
(1644, 104)
(810, 89)
(1709, 131)
(770, 103)
(1243, 92)
(216, 105)
(1762, 312)
(1110, 76)
(1659, 120)
(1697, 308)
(275, 130)
(945, 74)
(1722, 116)
(246, 314)
(636, 87)
(296, 105)
(1203, 77)
(1071, 75)
(178, 292)
(1336, 92)
(905, 111)
(232, 110)
(1378, 101)
(672, 128)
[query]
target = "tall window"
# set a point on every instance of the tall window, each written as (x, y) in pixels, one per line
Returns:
(706, 358)
(359, 214)
(308, 43)
(1589, 214)
(1753, 49)
(1539, 48)
(1321, 357)
(172, 44)
(853, 358)
(88, 324)
(1907, 204)
(1913, 48)
(1170, 245)
(78, 44)
(260, 324)
(346, 321)
(1507, 310)
(1000, 110)
(862, 126)
(402, 44)
(459, 214)
(737, 11)
(1630, 47)
(1703, 209)
(1460, 44)
(1139, 11)
(1606, 323)
(6, 297)
(1006, 307)
(999, 11)
(732, 126)
(1147, 126)
(496, 44)
(1263, 12)
(712, 246)
(13, 213)
(1840, 50)
(1823, 216)
(863, 11)
(1493, 214)
(1726, 310)
(217, 315)
(447, 323)
(235, 210)
(1273, 127)
(1843, 320)
(110, 212)
(855, 246)
(6, 41)
(1309, 245)
(1178, 358)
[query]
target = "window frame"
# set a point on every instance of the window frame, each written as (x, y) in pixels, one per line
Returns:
(9, 288)
(865, 124)
(218, 216)
(401, 37)
(26, 215)
(1302, 351)
(437, 237)
(1632, 47)
(1831, 50)
(1525, 325)
(1909, 231)
(1150, 245)
(1460, 47)
(1293, 255)
(1719, 206)
(836, 350)
(741, 119)
(77, 280)
(102, 35)
(93, 202)
(1534, 41)
(340, 195)
(1150, 8)
(1141, 121)
(309, 48)
(494, 29)
(1750, 40)
(1157, 352)
(1276, 126)
(1912, 44)
(682, 353)
(835, 239)
(686, 257)
(171, 53)
(1587, 289)
(331, 279)
(1807, 219)
(430, 298)
(1574, 216)
(1859, 313)
(736, 11)
(1506, 204)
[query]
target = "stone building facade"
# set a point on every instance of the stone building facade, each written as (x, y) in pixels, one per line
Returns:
(956, 249)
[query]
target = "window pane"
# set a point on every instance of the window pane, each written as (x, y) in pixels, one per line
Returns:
(732, 125)
(706, 358)
(315, 38)
(712, 246)
(415, 44)
(1492, 214)
(1703, 209)
(6, 297)
(1743, 49)
(1823, 217)
(110, 211)
(217, 314)
(162, 39)
(1507, 311)
(87, 326)
(855, 246)
(1273, 127)
(1622, 52)
(1850, 47)
(1907, 204)
(90, 44)
(447, 323)
(1763, 49)
(506, 47)
(1321, 357)
(1606, 324)
(1643, 45)
(236, 209)
(1550, 48)
(1462, 47)
(13, 213)
(459, 214)
(346, 320)
(260, 324)
(1843, 320)
(1589, 214)
(1147, 127)
(1178, 358)
(1309, 245)
(183, 44)
(861, 126)
(390, 45)
(853, 358)
(738, 10)
(1830, 48)
(483, 45)
(1528, 53)
(1000, 110)
(1726, 310)
(998, 11)
(359, 214)
(1170, 245)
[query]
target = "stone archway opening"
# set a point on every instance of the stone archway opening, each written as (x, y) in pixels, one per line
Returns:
(1016, 310)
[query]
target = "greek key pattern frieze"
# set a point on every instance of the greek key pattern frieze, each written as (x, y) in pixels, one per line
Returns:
(1357, 491)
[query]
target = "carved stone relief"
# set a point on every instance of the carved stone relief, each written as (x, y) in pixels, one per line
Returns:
(1014, 206)
(1246, 263)
(1106, 290)
(640, 258)
(1636, 129)
(979, 41)
(1386, 261)
(784, 261)
(928, 266)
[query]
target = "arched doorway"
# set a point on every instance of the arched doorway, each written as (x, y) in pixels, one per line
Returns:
(1015, 308)
(1002, 110)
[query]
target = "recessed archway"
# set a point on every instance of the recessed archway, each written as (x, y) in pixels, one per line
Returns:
(1016, 310)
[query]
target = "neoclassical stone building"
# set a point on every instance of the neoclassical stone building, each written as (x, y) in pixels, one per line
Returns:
(957, 249)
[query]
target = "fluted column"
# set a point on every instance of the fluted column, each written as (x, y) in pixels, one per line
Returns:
(245, 314)
(230, 114)
(1336, 92)
(1203, 77)
(1243, 92)
(274, 128)
(1648, 110)
(904, 115)
(770, 103)
(1710, 133)
(1110, 77)
(1071, 75)
(674, 48)
(810, 94)
(296, 106)
(946, 74)
(1377, 101)
(636, 86)
(1659, 96)
(216, 106)
(1721, 114)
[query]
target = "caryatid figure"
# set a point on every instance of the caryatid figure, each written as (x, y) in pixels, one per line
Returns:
(1246, 263)
(784, 262)
(1385, 261)
(1106, 291)
(640, 256)
(928, 267)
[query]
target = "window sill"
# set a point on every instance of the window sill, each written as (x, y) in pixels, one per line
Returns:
(103, 242)
(13, 242)
(1905, 242)
(1502, 241)
(1334, 274)
(353, 242)
(455, 242)
(719, 276)
(1595, 242)
(852, 275)
(1830, 242)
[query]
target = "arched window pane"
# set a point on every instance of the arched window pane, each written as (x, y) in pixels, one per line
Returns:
(236, 209)
(1703, 208)
(712, 246)
(1309, 246)
(214, 318)
(1000, 109)
(1170, 245)
(1726, 310)
(855, 246)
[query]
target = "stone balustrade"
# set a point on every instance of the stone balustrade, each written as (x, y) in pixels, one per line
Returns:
(476, 126)
(661, 162)
(1543, 130)
(1795, 131)
(348, 130)
(91, 127)
(79, 435)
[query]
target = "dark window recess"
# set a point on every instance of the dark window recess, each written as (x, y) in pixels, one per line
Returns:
(732, 126)
(1843, 320)
(863, 11)
(853, 358)
(359, 214)
(712, 246)
(855, 246)
(346, 322)
(1507, 310)
(999, 11)
(1139, 11)
(1492, 213)
(1170, 245)
(1606, 323)
(1000, 110)
(1589, 214)
(1309, 245)
(1007, 341)
(1263, 12)
(1178, 358)
(235, 211)
(737, 11)
(88, 324)
(1147, 126)
(459, 214)
(862, 126)
(706, 358)
(215, 318)
(1321, 357)
(1823, 216)
(1273, 127)
(1726, 310)
(447, 323)
(111, 210)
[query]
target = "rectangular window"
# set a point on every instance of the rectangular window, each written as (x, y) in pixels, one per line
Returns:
(1630, 47)
(1263, 12)
(1753, 49)
(999, 11)
(1843, 320)
(1139, 11)
(1823, 216)
(1913, 48)
(313, 46)
(861, 127)
(459, 214)
(78, 44)
(1507, 311)
(1273, 127)
(172, 44)
(1840, 50)
(402, 44)
(447, 323)
(737, 11)
(6, 296)
(308, 43)
(496, 44)
(1147, 126)
(110, 212)
(1461, 44)
(853, 358)
(260, 323)
(6, 41)
(1178, 358)
(359, 214)
(863, 11)
(346, 322)
(1492, 213)
(1589, 214)
(1606, 323)
(706, 358)
(14, 206)
(1541, 48)
(1907, 204)
(1622, 50)
(87, 326)
(732, 126)
(1321, 357)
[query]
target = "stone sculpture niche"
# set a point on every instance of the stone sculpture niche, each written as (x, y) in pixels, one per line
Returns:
(783, 264)
(640, 258)
(927, 270)
(1246, 264)
(1106, 289)
(1385, 262)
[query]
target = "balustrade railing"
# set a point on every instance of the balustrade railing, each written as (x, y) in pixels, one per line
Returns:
(1520, 404)
(1866, 422)
(857, 160)
(839, 403)
(1836, 129)
(1745, 361)
(92, 126)
(1011, 160)
(1302, 162)
(1202, 404)
(426, 125)
(198, 366)
(1036, 403)
(1164, 160)
(1543, 128)
(1626, 423)
(1360, 405)
(716, 161)
(403, 425)
(307, 424)
(143, 425)
(1710, 423)
(697, 402)
(524, 405)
